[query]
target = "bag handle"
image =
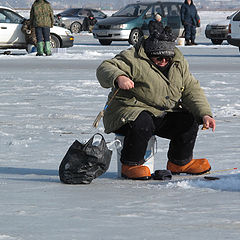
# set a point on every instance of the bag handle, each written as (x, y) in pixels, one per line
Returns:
(90, 141)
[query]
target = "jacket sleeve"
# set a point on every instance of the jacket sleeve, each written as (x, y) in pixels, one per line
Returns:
(193, 97)
(182, 13)
(109, 70)
(197, 20)
(24, 27)
(51, 16)
(31, 17)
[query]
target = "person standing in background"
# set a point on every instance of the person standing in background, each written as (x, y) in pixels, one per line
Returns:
(190, 20)
(89, 22)
(42, 19)
(155, 26)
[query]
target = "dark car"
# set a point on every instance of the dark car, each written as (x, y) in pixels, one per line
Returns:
(72, 18)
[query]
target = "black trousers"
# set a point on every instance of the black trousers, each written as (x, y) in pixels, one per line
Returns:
(190, 32)
(180, 127)
(42, 34)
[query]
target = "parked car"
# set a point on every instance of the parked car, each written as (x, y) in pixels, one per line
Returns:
(131, 22)
(72, 18)
(233, 37)
(11, 35)
(218, 31)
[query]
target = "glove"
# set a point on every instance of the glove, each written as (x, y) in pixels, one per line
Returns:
(198, 23)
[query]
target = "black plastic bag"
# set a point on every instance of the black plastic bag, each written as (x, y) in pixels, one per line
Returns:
(84, 162)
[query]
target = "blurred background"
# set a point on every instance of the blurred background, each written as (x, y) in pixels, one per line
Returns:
(116, 4)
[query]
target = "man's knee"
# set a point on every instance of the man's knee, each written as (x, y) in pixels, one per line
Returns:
(144, 124)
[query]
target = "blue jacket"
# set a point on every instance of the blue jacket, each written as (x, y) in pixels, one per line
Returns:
(189, 15)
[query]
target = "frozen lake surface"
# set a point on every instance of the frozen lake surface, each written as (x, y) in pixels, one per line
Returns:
(48, 102)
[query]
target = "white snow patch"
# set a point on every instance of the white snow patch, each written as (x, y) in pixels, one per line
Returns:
(7, 237)
(181, 184)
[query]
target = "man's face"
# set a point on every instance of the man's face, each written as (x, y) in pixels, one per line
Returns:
(161, 61)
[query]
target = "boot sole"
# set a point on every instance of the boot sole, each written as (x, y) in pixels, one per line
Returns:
(177, 173)
(140, 178)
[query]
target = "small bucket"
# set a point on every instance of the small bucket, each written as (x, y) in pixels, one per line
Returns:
(181, 41)
(149, 155)
(31, 48)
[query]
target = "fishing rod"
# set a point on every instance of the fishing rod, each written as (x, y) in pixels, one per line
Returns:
(101, 114)
(205, 175)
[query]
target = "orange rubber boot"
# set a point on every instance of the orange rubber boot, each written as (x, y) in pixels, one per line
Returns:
(196, 166)
(138, 172)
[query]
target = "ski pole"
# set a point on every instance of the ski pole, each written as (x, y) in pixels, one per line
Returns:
(100, 115)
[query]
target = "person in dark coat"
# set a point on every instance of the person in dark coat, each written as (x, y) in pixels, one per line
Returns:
(155, 26)
(89, 22)
(30, 35)
(190, 20)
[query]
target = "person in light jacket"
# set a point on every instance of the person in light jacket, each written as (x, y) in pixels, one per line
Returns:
(157, 95)
(42, 19)
(190, 20)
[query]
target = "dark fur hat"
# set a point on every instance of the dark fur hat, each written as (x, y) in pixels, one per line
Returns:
(160, 44)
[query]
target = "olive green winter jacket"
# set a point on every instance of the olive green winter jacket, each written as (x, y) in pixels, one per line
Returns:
(41, 14)
(152, 92)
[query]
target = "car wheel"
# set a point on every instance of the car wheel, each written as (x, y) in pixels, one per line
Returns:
(55, 43)
(135, 36)
(217, 41)
(105, 41)
(76, 27)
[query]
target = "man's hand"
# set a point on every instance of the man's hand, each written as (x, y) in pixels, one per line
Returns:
(209, 122)
(124, 82)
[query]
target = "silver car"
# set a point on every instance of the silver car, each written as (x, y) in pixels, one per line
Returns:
(217, 32)
(72, 18)
(234, 30)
